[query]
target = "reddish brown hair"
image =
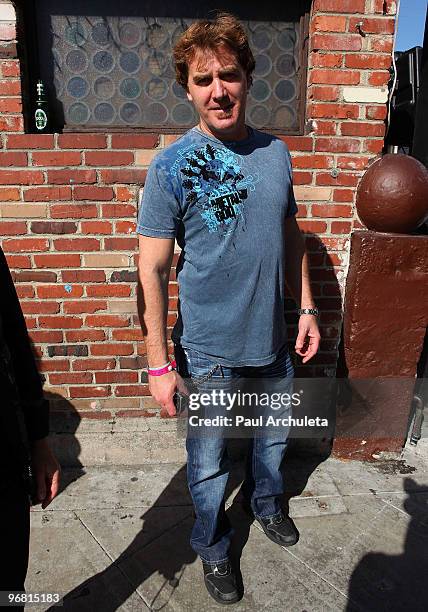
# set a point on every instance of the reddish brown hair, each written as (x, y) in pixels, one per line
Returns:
(225, 29)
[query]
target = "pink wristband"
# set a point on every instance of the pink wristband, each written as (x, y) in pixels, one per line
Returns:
(160, 371)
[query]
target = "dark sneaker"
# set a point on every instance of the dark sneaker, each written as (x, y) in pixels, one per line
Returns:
(280, 529)
(221, 582)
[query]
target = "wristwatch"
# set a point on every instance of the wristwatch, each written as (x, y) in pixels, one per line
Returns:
(310, 311)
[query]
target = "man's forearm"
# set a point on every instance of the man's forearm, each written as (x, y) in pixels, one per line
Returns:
(297, 268)
(153, 310)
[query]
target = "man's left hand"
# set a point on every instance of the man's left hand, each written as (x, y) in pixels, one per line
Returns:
(46, 471)
(308, 339)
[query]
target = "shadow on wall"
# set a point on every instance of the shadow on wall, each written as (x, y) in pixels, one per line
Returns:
(396, 582)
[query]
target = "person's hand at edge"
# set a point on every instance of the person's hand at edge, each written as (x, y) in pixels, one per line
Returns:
(46, 472)
(308, 339)
(163, 389)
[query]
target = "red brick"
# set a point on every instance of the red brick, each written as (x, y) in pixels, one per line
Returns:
(312, 161)
(298, 143)
(84, 276)
(93, 364)
(40, 307)
(336, 42)
(10, 68)
(89, 392)
(82, 141)
(71, 177)
(74, 378)
(343, 195)
(118, 210)
(25, 291)
(93, 193)
(125, 227)
(334, 111)
(38, 276)
(124, 194)
(368, 60)
(47, 194)
(30, 141)
(53, 365)
(58, 291)
(130, 335)
(350, 128)
(74, 211)
(10, 105)
(21, 177)
(77, 244)
(337, 145)
(25, 245)
(105, 349)
(334, 77)
(325, 128)
(57, 261)
(346, 180)
(30, 322)
(308, 225)
(108, 291)
(331, 210)
(134, 176)
(60, 322)
(383, 45)
(42, 336)
(302, 213)
(134, 141)
(53, 227)
(376, 112)
(378, 79)
(57, 158)
(7, 31)
(96, 227)
(324, 93)
(341, 227)
(373, 146)
(18, 261)
(302, 178)
(85, 335)
(84, 306)
(13, 159)
(109, 158)
(327, 60)
(131, 390)
(329, 23)
(339, 6)
(11, 123)
(133, 413)
(116, 377)
(9, 194)
(121, 244)
(373, 25)
(10, 87)
(12, 228)
(106, 321)
(352, 162)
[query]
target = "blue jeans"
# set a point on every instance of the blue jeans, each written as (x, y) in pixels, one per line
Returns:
(207, 467)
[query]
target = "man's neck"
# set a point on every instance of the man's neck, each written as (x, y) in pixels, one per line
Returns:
(240, 133)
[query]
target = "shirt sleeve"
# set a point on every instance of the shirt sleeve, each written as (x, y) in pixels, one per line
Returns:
(159, 212)
(291, 204)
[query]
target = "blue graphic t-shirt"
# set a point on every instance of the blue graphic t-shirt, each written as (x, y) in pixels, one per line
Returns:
(225, 203)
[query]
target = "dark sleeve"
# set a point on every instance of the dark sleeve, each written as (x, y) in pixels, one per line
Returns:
(35, 408)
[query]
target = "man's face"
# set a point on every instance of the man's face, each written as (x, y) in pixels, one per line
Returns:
(218, 86)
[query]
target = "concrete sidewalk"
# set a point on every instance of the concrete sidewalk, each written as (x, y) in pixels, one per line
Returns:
(117, 538)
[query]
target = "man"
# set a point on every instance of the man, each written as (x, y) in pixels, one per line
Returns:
(28, 467)
(224, 191)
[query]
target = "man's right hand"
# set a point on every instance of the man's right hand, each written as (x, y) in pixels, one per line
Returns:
(163, 389)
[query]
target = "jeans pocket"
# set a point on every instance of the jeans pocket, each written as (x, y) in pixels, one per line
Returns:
(200, 368)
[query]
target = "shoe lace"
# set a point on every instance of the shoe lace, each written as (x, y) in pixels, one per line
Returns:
(221, 570)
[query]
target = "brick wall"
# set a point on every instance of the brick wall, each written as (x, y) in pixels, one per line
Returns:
(68, 206)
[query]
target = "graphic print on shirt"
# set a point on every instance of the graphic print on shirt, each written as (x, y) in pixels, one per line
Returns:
(213, 180)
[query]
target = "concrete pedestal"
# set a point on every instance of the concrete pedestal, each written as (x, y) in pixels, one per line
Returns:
(385, 321)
